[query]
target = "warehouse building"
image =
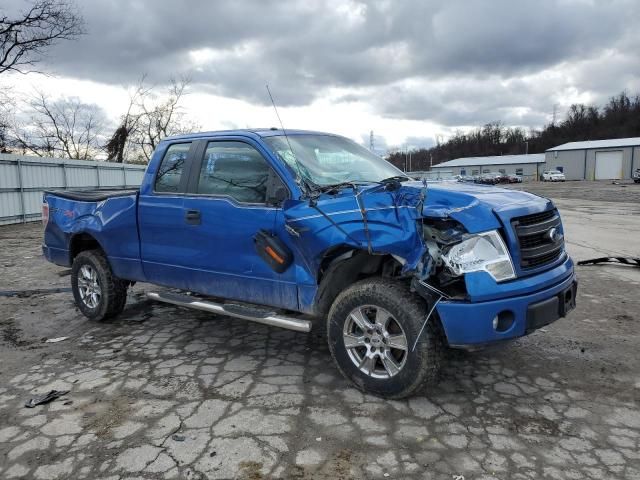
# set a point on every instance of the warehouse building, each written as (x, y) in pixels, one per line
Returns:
(596, 160)
(528, 166)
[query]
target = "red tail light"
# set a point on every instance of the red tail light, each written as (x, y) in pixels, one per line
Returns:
(45, 213)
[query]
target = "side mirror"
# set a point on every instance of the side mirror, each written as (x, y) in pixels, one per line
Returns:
(278, 195)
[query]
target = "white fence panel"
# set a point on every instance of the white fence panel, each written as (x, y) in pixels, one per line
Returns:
(134, 176)
(23, 179)
(111, 177)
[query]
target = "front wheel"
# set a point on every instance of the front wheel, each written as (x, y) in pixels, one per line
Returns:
(98, 293)
(372, 330)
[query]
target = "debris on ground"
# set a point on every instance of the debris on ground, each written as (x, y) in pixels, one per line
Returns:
(56, 340)
(633, 261)
(46, 398)
(178, 438)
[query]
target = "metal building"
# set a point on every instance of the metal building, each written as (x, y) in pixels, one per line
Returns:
(528, 166)
(596, 159)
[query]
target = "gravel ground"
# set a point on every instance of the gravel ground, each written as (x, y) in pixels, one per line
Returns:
(162, 392)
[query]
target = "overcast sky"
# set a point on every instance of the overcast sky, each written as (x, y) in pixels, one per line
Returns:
(409, 70)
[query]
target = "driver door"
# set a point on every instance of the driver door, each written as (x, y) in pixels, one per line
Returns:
(226, 201)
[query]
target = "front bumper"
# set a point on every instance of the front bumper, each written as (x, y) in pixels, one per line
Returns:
(472, 323)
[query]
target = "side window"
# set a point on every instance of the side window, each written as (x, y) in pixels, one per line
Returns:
(170, 171)
(234, 169)
(475, 172)
(519, 171)
(485, 170)
(502, 171)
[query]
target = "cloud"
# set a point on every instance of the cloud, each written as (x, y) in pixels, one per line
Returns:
(456, 63)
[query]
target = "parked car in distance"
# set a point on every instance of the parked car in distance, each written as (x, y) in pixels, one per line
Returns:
(311, 230)
(491, 178)
(553, 176)
(636, 176)
(513, 178)
(466, 178)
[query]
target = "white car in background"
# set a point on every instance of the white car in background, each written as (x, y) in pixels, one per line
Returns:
(553, 176)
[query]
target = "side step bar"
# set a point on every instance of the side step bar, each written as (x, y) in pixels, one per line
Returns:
(234, 310)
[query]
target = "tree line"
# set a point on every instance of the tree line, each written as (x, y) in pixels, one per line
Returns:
(65, 126)
(618, 118)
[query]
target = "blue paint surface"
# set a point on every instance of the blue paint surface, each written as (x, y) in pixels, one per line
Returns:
(146, 239)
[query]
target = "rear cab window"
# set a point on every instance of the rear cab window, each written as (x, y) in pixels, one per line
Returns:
(171, 168)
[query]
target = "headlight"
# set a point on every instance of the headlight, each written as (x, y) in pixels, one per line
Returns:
(484, 251)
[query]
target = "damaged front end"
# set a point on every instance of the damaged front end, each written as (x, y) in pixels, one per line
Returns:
(433, 279)
(457, 246)
(403, 232)
(453, 252)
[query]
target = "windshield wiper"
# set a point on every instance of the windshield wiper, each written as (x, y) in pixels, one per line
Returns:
(334, 187)
(395, 178)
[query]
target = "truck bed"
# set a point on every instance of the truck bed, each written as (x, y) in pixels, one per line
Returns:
(105, 218)
(91, 195)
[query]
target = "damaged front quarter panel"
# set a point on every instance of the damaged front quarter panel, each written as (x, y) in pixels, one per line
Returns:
(381, 222)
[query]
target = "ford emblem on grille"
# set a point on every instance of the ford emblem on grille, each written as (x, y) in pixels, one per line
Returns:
(553, 235)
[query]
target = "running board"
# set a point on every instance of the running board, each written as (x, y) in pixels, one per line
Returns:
(253, 314)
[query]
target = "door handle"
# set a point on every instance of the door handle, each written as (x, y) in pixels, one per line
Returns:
(193, 217)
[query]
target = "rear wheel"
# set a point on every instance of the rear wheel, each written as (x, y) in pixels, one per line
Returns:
(372, 330)
(98, 293)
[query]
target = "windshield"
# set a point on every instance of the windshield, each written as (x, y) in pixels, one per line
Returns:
(328, 160)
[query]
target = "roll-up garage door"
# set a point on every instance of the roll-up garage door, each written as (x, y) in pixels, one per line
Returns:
(608, 165)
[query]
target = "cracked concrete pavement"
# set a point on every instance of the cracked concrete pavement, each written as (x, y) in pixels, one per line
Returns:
(163, 392)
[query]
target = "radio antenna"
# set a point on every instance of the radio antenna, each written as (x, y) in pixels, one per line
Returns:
(300, 178)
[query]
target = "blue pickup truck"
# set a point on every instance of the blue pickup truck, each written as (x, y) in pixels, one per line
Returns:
(307, 230)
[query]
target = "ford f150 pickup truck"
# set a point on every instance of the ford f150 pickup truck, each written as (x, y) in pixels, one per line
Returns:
(300, 229)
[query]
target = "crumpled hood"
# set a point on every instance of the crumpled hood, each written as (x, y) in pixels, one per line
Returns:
(476, 206)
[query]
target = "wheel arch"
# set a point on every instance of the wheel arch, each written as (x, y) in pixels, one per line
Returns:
(80, 242)
(342, 266)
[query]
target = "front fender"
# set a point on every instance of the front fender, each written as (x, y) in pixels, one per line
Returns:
(388, 230)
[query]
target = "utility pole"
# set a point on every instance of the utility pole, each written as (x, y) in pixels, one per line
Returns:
(526, 148)
(406, 158)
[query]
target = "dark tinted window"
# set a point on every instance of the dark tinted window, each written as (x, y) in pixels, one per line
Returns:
(234, 169)
(170, 172)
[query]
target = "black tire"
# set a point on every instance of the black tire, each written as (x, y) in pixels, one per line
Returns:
(420, 367)
(113, 291)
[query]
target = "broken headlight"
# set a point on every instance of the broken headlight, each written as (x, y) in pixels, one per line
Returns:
(482, 252)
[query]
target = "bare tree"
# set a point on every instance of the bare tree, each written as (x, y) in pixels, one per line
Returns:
(23, 40)
(149, 118)
(6, 112)
(120, 142)
(65, 127)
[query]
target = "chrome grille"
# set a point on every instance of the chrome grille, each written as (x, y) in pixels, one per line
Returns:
(536, 239)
